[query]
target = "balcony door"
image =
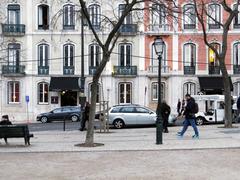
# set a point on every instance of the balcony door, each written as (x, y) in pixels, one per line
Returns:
(128, 18)
(125, 55)
(14, 55)
(13, 14)
(213, 64)
(125, 93)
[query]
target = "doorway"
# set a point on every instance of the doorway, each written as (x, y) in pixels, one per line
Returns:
(68, 98)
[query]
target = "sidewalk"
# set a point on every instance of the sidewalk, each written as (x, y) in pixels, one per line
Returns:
(139, 139)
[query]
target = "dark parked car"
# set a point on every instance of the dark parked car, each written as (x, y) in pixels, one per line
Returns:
(59, 114)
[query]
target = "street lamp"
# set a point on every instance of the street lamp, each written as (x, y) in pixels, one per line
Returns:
(159, 46)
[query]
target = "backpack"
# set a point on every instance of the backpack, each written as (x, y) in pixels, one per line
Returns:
(195, 108)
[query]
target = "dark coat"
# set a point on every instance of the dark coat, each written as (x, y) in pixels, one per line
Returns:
(238, 103)
(188, 112)
(165, 110)
(5, 122)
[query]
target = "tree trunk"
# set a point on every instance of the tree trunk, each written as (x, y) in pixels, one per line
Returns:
(227, 95)
(90, 130)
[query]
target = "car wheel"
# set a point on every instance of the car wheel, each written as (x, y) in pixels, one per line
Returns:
(44, 119)
(118, 124)
(199, 121)
(74, 118)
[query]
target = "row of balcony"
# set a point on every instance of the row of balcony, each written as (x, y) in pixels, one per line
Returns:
(19, 29)
(19, 70)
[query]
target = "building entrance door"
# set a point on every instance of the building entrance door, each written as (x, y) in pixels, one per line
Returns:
(68, 98)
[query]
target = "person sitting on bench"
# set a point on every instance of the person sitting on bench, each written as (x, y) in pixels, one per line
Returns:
(5, 120)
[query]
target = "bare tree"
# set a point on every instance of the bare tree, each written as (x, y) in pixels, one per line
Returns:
(205, 12)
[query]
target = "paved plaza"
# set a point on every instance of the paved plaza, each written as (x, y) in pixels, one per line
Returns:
(127, 154)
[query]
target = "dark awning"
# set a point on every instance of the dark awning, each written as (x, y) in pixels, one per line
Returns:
(212, 83)
(64, 83)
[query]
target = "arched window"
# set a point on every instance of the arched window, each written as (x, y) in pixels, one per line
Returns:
(189, 58)
(68, 16)
(43, 16)
(13, 92)
(189, 88)
(189, 17)
(125, 93)
(43, 58)
(236, 20)
(43, 93)
(236, 58)
(158, 17)
(125, 54)
(94, 55)
(68, 58)
(14, 58)
(214, 16)
(95, 15)
(236, 88)
(155, 91)
(213, 62)
(154, 61)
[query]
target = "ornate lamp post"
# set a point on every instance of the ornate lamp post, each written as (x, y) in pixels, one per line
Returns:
(159, 46)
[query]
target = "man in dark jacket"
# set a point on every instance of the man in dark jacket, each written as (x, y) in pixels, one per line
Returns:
(189, 117)
(165, 112)
(85, 116)
(5, 120)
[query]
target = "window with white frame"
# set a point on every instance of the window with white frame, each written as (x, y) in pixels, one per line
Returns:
(236, 20)
(13, 92)
(236, 54)
(125, 93)
(68, 55)
(90, 92)
(95, 15)
(43, 93)
(158, 17)
(14, 55)
(189, 88)
(125, 54)
(154, 61)
(189, 54)
(43, 55)
(214, 16)
(13, 14)
(68, 16)
(189, 17)
(94, 55)
(155, 91)
(43, 16)
(236, 88)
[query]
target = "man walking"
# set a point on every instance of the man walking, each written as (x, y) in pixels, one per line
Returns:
(189, 114)
(165, 112)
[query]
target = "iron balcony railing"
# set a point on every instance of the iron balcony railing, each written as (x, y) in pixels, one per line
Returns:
(43, 70)
(68, 70)
(214, 69)
(125, 70)
(13, 70)
(236, 69)
(159, 27)
(68, 27)
(189, 70)
(128, 29)
(13, 29)
(154, 69)
(189, 26)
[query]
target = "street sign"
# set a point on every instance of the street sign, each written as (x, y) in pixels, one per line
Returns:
(27, 99)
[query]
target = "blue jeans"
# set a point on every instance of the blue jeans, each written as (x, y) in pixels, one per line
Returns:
(186, 123)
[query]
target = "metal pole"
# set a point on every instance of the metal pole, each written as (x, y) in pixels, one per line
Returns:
(159, 122)
(82, 54)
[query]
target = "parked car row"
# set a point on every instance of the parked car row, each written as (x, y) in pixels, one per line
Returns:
(119, 115)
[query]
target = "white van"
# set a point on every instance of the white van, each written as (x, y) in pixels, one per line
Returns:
(211, 108)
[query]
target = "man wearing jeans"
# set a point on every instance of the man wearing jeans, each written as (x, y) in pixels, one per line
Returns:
(189, 117)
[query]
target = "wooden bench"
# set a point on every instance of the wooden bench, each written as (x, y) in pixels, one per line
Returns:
(15, 131)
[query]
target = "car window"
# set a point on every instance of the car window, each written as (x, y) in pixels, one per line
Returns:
(57, 110)
(127, 110)
(141, 110)
(66, 109)
(115, 109)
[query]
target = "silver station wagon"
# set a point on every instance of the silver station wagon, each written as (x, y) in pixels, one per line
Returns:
(123, 115)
